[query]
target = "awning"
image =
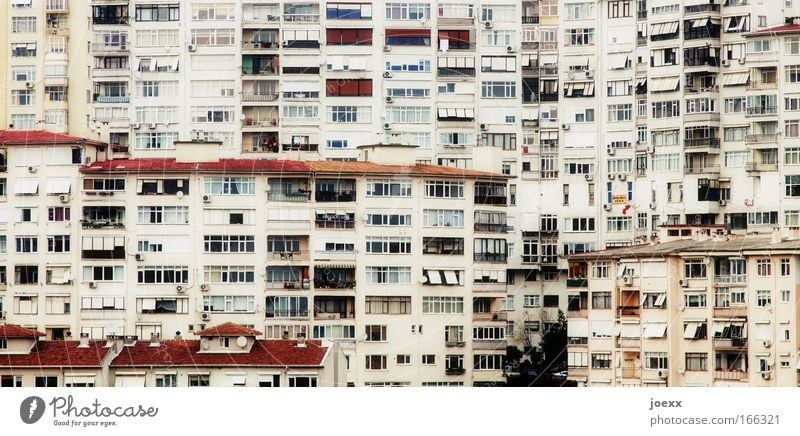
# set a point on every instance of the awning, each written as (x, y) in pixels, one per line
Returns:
(26, 187)
(129, 381)
(548, 59)
(661, 299)
(578, 328)
(655, 330)
(641, 81)
(450, 277)
(664, 84)
(691, 330)
(461, 113)
(58, 185)
(587, 88)
(602, 328)
(736, 24)
(434, 277)
(700, 22)
(736, 79)
(148, 304)
(357, 63)
(664, 28)
(237, 379)
(78, 379)
(319, 266)
(630, 330)
(530, 114)
(618, 61)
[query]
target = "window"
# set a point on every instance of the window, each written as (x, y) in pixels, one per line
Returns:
(229, 274)
(763, 298)
(694, 269)
(230, 185)
(23, 24)
(27, 244)
(163, 215)
(442, 305)
(696, 361)
(786, 296)
(619, 112)
(490, 250)
(388, 245)
(437, 245)
(619, 224)
(578, 37)
(786, 267)
(161, 274)
(487, 362)
(302, 381)
(764, 267)
(601, 360)
(404, 359)
(388, 274)
(229, 303)
(101, 273)
(388, 219)
(166, 380)
(375, 362)
(198, 380)
(212, 37)
(11, 381)
(694, 299)
(375, 333)
(286, 306)
(58, 244)
(498, 89)
(46, 381)
(443, 218)
(228, 244)
(213, 12)
(429, 359)
(551, 301)
(388, 188)
(655, 360)
(22, 97)
(102, 303)
(380, 305)
(601, 300)
(654, 300)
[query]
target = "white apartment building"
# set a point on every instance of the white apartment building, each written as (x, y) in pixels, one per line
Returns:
(402, 263)
(701, 309)
(612, 117)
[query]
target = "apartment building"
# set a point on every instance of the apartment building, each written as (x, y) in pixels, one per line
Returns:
(701, 309)
(46, 82)
(225, 355)
(398, 261)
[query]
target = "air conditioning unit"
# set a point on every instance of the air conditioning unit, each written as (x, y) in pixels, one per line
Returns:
(663, 374)
(684, 283)
(611, 151)
(179, 289)
(206, 199)
(651, 148)
(653, 206)
(191, 47)
(723, 202)
(205, 316)
(139, 257)
(151, 126)
(387, 74)
(726, 63)
(565, 126)
(588, 177)
(607, 207)
(387, 126)
(386, 49)
(611, 176)
(32, 169)
(64, 198)
(628, 280)
(134, 125)
(484, 127)
(622, 177)
(92, 285)
(571, 75)
(487, 24)
(766, 375)
(389, 100)
(766, 343)
(29, 84)
(589, 74)
(741, 61)
(510, 49)
(205, 287)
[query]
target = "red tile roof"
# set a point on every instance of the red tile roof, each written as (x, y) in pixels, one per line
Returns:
(40, 137)
(16, 331)
(280, 166)
(786, 28)
(228, 329)
(178, 352)
(65, 354)
(171, 165)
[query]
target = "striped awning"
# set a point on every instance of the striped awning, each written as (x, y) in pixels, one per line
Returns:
(335, 266)
(734, 79)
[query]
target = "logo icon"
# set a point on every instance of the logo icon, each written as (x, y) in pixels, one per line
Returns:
(31, 410)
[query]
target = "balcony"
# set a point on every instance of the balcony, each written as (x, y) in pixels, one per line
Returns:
(532, 19)
(705, 143)
(490, 345)
(454, 371)
(333, 308)
(491, 228)
(755, 167)
(111, 99)
(102, 47)
(490, 316)
(761, 138)
(730, 375)
(728, 280)
(708, 169)
(289, 196)
(756, 85)
(301, 18)
(57, 6)
(335, 191)
(577, 283)
(629, 372)
(335, 221)
(304, 146)
(730, 343)
(260, 45)
(629, 342)
(259, 97)
(728, 311)
(762, 111)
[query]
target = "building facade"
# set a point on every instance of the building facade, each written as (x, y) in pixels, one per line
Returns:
(703, 309)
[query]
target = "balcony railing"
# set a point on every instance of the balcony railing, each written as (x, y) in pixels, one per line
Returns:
(701, 142)
(100, 47)
(455, 371)
(56, 6)
(733, 279)
(730, 375)
(249, 96)
(260, 45)
(331, 196)
(577, 283)
(762, 111)
(694, 9)
(300, 196)
(334, 284)
(761, 138)
(111, 99)
(756, 85)
(301, 18)
(755, 167)
(531, 19)
(629, 372)
(730, 342)
(708, 169)
(494, 228)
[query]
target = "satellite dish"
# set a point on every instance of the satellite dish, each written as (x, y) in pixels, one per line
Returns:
(364, 337)
(241, 341)
(205, 344)
(179, 194)
(423, 279)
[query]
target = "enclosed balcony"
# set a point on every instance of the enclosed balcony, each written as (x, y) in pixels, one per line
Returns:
(255, 92)
(301, 13)
(491, 222)
(294, 190)
(103, 217)
(730, 334)
(491, 193)
(333, 308)
(287, 248)
(730, 271)
(334, 220)
(103, 247)
(260, 65)
(111, 92)
(261, 40)
(628, 303)
(110, 14)
(486, 309)
(530, 12)
(335, 190)
(260, 13)
(334, 277)
(702, 28)
(287, 277)
(260, 142)
(259, 117)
